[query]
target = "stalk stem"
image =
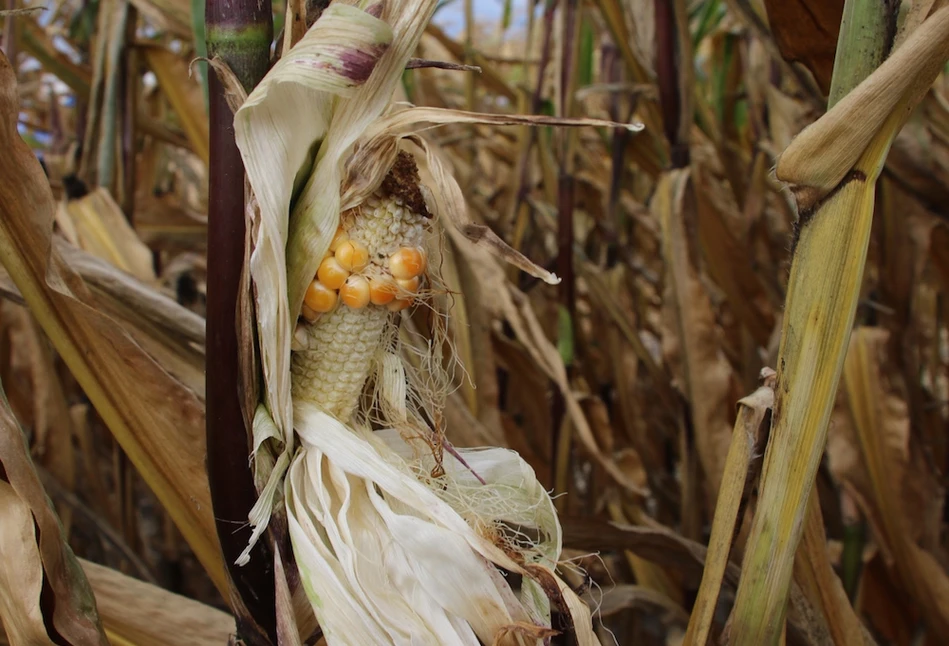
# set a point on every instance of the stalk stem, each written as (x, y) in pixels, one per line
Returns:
(240, 33)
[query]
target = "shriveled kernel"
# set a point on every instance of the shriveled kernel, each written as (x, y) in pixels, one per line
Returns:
(331, 273)
(407, 262)
(400, 304)
(410, 284)
(352, 255)
(338, 239)
(309, 314)
(300, 340)
(381, 291)
(319, 297)
(355, 292)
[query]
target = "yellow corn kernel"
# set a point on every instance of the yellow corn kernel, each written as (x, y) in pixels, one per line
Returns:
(338, 239)
(352, 255)
(407, 263)
(331, 273)
(400, 304)
(355, 292)
(309, 314)
(381, 291)
(410, 284)
(319, 297)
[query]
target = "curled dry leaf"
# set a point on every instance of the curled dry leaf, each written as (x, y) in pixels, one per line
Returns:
(41, 555)
(52, 424)
(21, 578)
(692, 342)
(510, 305)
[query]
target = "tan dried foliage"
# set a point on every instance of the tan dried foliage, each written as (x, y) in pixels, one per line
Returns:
(623, 386)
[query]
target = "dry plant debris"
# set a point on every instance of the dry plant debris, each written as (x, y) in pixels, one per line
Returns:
(711, 356)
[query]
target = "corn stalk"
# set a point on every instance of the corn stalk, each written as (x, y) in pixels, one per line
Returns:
(832, 168)
(240, 34)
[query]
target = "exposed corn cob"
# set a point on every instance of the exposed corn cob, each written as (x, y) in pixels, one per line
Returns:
(379, 245)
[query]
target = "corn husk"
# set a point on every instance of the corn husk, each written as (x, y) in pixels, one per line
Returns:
(387, 552)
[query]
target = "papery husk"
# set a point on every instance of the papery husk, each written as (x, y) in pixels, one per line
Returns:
(387, 552)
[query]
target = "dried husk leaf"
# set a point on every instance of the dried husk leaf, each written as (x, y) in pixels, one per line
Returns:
(375, 496)
(322, 77)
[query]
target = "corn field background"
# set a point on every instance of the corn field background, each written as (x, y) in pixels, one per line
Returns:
(639, 388)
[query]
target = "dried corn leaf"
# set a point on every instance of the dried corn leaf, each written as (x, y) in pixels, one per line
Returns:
(21, 578)
(752, 412)
(821, 585)
(693, 343)
(881, 423)
(728, 261)
(165, 443)
(184, 94)
(171, 334)
(171, 15)
(33, 39)
(510, 305)
(99, 147)
(135, 612)
(102, 229)
(33, 534)
(806, 32)
(52, 426)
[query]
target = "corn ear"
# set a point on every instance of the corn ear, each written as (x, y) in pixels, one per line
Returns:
(279, 159)
(395, 541)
